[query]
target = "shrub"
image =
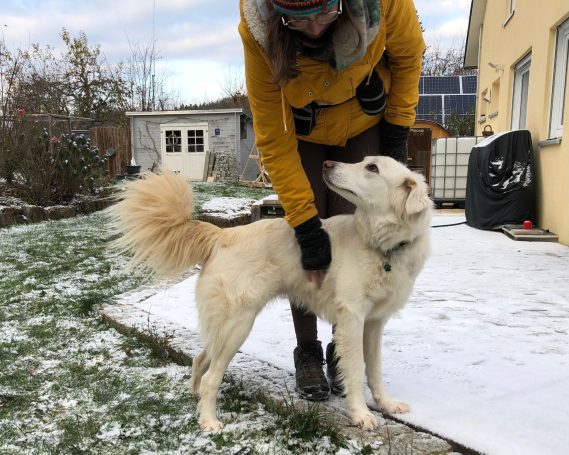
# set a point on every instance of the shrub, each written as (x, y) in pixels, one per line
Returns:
(461, 125)
(77, 166)
(54, 169)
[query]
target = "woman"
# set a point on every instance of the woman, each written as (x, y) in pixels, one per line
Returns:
(326, 79)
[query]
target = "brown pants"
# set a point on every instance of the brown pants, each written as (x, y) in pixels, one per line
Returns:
(328, 203)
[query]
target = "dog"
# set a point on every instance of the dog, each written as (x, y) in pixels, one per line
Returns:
(377, 253)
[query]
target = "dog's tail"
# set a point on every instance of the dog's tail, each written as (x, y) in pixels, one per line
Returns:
(153, 220)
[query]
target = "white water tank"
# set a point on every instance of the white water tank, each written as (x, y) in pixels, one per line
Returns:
(449, 160)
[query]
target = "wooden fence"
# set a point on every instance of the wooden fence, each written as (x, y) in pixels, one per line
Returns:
(110, 137)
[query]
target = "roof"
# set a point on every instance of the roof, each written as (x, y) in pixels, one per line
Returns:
(194, 112)
(429, 122)
(475, 21)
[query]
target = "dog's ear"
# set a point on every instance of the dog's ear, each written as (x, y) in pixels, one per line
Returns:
(417, 197)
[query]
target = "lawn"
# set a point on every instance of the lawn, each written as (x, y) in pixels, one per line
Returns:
(70, 384)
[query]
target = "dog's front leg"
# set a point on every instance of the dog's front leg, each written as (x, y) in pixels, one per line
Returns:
(373, 334)
(349, 346)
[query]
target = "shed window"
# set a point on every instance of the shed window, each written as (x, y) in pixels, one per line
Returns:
(173, 141)
(195, 140)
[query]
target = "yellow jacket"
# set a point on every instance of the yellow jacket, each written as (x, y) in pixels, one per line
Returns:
(399, 34)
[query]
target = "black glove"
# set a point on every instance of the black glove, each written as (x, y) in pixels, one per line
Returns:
(371, 95)
(314, 245)
(393, 140)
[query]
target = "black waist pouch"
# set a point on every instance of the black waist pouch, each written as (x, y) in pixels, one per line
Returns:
(305, 118)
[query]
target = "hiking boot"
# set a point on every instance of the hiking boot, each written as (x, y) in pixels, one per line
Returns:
(311, 383)
(333, 371)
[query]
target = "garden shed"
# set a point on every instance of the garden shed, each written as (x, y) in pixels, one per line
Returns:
(196, 143)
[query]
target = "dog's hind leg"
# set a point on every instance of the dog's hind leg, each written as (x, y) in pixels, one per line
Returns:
(200, 364)
(222, 345)
(373, 334)
(349, 347)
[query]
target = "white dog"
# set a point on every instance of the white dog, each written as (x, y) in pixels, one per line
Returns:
(377, 254)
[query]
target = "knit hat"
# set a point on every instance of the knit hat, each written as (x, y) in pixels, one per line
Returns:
(301, 7)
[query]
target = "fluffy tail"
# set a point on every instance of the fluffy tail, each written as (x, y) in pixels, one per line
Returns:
(153, 219)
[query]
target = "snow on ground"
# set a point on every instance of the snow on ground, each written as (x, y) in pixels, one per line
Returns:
(481, 352)
(228, 207)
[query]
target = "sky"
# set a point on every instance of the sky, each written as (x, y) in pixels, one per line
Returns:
(480, 352)
(197, 40)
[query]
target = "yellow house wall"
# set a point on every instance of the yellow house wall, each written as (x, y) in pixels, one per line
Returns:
(532, 28)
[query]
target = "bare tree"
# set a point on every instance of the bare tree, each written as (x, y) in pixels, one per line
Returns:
(92, 86)
(233, 83)
(445, 61)
(234, 89)
(41, 82)
(11, 67)
(147, 88)
(140, 75)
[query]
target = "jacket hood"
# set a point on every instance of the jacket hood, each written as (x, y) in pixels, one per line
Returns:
(366, 17)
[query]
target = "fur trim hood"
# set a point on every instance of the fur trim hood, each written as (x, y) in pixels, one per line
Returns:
(366, 17)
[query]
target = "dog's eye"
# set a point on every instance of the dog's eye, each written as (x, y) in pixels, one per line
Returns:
(372, 168)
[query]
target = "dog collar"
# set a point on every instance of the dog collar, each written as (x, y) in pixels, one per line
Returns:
(387, 264)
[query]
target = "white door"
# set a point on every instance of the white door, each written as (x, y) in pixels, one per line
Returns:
(196, 147)
(184, 148)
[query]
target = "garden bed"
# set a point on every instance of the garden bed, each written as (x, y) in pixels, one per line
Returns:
(14, 212)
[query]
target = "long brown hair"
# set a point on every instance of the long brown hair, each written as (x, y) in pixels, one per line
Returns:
(282, 48)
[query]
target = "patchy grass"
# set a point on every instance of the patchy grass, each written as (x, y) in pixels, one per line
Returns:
(70, 384)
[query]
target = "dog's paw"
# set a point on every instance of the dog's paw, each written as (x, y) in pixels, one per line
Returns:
(364, 419)
(210, 425)
(395, 407)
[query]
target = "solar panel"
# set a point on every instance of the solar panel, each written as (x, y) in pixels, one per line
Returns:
(440, 96)
(430, 108)
(461, 104)
(469, 84)
(443, 85)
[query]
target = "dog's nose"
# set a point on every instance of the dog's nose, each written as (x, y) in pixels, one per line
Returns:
(329, 164)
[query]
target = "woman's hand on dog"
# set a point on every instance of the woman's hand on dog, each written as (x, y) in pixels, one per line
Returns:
(315, 248)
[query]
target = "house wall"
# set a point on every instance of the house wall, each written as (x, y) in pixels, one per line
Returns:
(505, 41)
(146, 134)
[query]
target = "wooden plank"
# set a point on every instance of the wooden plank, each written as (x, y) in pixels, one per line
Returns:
(106, 137)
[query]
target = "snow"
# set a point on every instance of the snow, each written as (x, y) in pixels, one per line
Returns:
(228, 207)
(481, 352)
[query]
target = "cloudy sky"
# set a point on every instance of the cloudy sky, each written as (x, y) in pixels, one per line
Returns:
(197, 39)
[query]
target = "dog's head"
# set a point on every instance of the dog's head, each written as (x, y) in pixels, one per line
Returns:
(379, 185)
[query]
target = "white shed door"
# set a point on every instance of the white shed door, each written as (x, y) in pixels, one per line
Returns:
(184, 148)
